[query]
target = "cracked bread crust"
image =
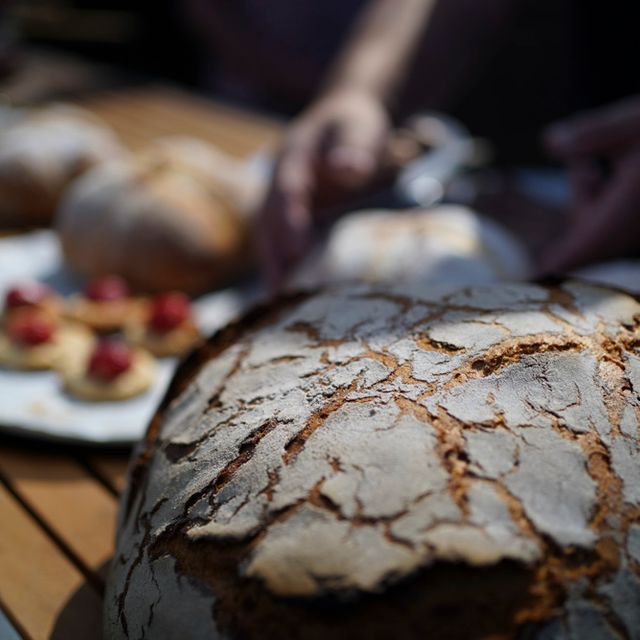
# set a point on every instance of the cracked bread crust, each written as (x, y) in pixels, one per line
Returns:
(413, 462)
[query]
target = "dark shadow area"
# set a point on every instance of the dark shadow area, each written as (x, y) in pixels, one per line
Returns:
(444, 602)
(81, 616)
(37, 459)
(36, 445)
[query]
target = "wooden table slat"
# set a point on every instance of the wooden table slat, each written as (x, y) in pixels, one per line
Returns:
(134, 126)
(137, 128)
(139, 116)
(166, 113)
(77, 509)
(39, 586)
(251, 123)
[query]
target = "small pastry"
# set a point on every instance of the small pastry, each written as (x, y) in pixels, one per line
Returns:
(165, 327)
(34, 340)
(32, 295)
(111, 371)
(105, 304)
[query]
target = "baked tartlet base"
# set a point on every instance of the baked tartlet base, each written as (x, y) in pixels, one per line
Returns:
(175, 343)
(67, 342)
(134, 382)
(52, 308)
(103, 317)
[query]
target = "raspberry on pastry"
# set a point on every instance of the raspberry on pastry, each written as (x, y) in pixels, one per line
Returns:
(105, 305)
(107, 289)
(112, 370)
(31, 295)
(109, 360)
(31, 330)
(165, 327)
(34, 339)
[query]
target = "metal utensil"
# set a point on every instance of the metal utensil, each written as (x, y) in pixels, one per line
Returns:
(424, 180)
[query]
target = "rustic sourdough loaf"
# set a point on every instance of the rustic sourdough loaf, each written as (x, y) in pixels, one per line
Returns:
(406, 463)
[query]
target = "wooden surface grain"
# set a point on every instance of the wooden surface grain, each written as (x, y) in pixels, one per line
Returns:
(39, 582)
(55, 487)
(58, 504)
(140, 115)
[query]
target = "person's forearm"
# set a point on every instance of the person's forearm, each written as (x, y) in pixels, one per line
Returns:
(380, 47)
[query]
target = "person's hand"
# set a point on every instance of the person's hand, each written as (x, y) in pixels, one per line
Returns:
(333, 148)
(602, 151)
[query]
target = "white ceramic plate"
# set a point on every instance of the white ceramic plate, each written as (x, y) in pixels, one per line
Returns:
(34, 404)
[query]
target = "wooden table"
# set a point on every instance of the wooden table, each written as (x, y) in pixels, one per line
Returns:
(58, 503)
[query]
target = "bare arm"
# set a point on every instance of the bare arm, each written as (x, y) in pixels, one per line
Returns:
(337, 142)
(380, 47)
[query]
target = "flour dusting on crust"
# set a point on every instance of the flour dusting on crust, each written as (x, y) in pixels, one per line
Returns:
(349, 441)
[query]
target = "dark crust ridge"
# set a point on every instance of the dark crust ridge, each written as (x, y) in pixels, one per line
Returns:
(448, 601)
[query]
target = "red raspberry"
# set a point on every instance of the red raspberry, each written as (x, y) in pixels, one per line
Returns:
(27, 295)
(31, 329)
(168, 311)
(109, 359)
(107, 289)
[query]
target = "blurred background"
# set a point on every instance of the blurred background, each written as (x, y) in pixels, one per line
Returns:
(554, 57)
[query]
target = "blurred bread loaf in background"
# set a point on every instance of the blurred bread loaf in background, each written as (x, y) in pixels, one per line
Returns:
(174, 216)
(41, 152)
(446, 244)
